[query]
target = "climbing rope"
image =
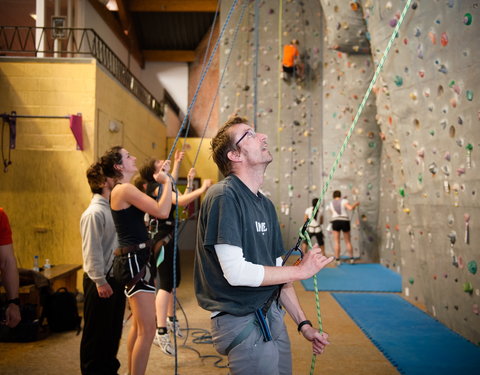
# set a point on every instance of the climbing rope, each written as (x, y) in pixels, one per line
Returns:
(202, 77)
(303, 233)
(279, 96)
(203, 64)
(227, 60)
(255, 63)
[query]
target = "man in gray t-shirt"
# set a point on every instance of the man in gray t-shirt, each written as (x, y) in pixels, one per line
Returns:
(238, 254)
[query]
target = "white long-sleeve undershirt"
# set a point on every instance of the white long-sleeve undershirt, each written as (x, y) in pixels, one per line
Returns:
(236, 270)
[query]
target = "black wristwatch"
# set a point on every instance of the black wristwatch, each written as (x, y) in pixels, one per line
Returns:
(16, 301)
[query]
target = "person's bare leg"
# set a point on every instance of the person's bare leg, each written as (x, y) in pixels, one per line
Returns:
(143, 309)
(132, 337)
(348, 243)
(162, 301)
(336, 244)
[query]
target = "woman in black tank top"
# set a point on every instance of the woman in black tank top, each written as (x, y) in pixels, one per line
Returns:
(128, 206)
(164, 304)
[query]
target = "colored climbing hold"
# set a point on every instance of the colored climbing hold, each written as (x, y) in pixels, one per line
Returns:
(469, 147)
(472, 267)
(393, 22)
(411, 280)
(467, 287)
(469, 95)
(467, 19)
(444, 39)
(402, 192)
(398, 81)
(433, 168)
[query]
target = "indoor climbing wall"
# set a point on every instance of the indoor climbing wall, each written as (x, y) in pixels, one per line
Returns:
(429, 116)
(347, 72)
(294, 132)
(412, 161)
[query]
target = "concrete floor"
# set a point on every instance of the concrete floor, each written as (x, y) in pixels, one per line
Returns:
(350, 350)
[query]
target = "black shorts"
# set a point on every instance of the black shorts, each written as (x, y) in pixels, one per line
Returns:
(318, 236)
(341, 226)
(288, 69)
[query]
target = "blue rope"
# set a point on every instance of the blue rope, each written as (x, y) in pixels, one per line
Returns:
(204, 61)
(194, 99)
(244, 7)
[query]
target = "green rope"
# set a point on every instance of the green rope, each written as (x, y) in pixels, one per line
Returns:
(305, 236)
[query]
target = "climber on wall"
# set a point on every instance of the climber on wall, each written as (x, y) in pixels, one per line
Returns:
(291, 62)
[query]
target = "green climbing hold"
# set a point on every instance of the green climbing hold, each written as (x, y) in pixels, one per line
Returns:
(472, 267)
(420, 178)
(469, 95)
(398, 81)
(467, 19)
(402, 192)
(467, 287)
(469, 147)
(451, 83)
(372, 144)
(411, 280)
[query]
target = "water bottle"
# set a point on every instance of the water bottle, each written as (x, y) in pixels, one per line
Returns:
(35, 263)
(47, 264)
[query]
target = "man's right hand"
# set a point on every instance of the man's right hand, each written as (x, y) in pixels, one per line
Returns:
(104, 291)
(313, 261)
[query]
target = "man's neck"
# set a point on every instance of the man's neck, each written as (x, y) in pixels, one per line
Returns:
(253, 179)
(106, 193)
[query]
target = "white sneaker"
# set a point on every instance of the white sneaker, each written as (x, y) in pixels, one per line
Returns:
(170, 325)
(163, 341)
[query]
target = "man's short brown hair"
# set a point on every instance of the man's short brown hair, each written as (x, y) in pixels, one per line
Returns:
(96, 178)
(223, 143)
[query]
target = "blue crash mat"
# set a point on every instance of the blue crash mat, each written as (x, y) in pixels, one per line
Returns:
(414, 342)
(356, 278)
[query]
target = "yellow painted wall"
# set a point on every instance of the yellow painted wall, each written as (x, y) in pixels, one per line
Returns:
(141, 132)
(45, 190)
(205, 167)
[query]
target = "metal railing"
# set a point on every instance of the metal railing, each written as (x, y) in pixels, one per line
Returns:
(74, 42)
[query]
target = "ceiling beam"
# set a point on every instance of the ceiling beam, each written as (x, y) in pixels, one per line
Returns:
(116, 28)
(173, 5)
(127, 23)
(169, 55)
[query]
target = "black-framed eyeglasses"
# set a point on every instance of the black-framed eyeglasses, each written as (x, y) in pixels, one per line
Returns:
(250, 133)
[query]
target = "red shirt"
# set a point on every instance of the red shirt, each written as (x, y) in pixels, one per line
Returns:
(5, 230)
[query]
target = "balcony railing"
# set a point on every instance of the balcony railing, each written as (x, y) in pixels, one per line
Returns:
(73, 42)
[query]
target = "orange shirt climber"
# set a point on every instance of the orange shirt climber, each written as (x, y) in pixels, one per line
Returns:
(290, 52)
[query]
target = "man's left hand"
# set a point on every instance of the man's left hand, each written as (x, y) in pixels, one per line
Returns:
(12, 315)
(319, 340)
